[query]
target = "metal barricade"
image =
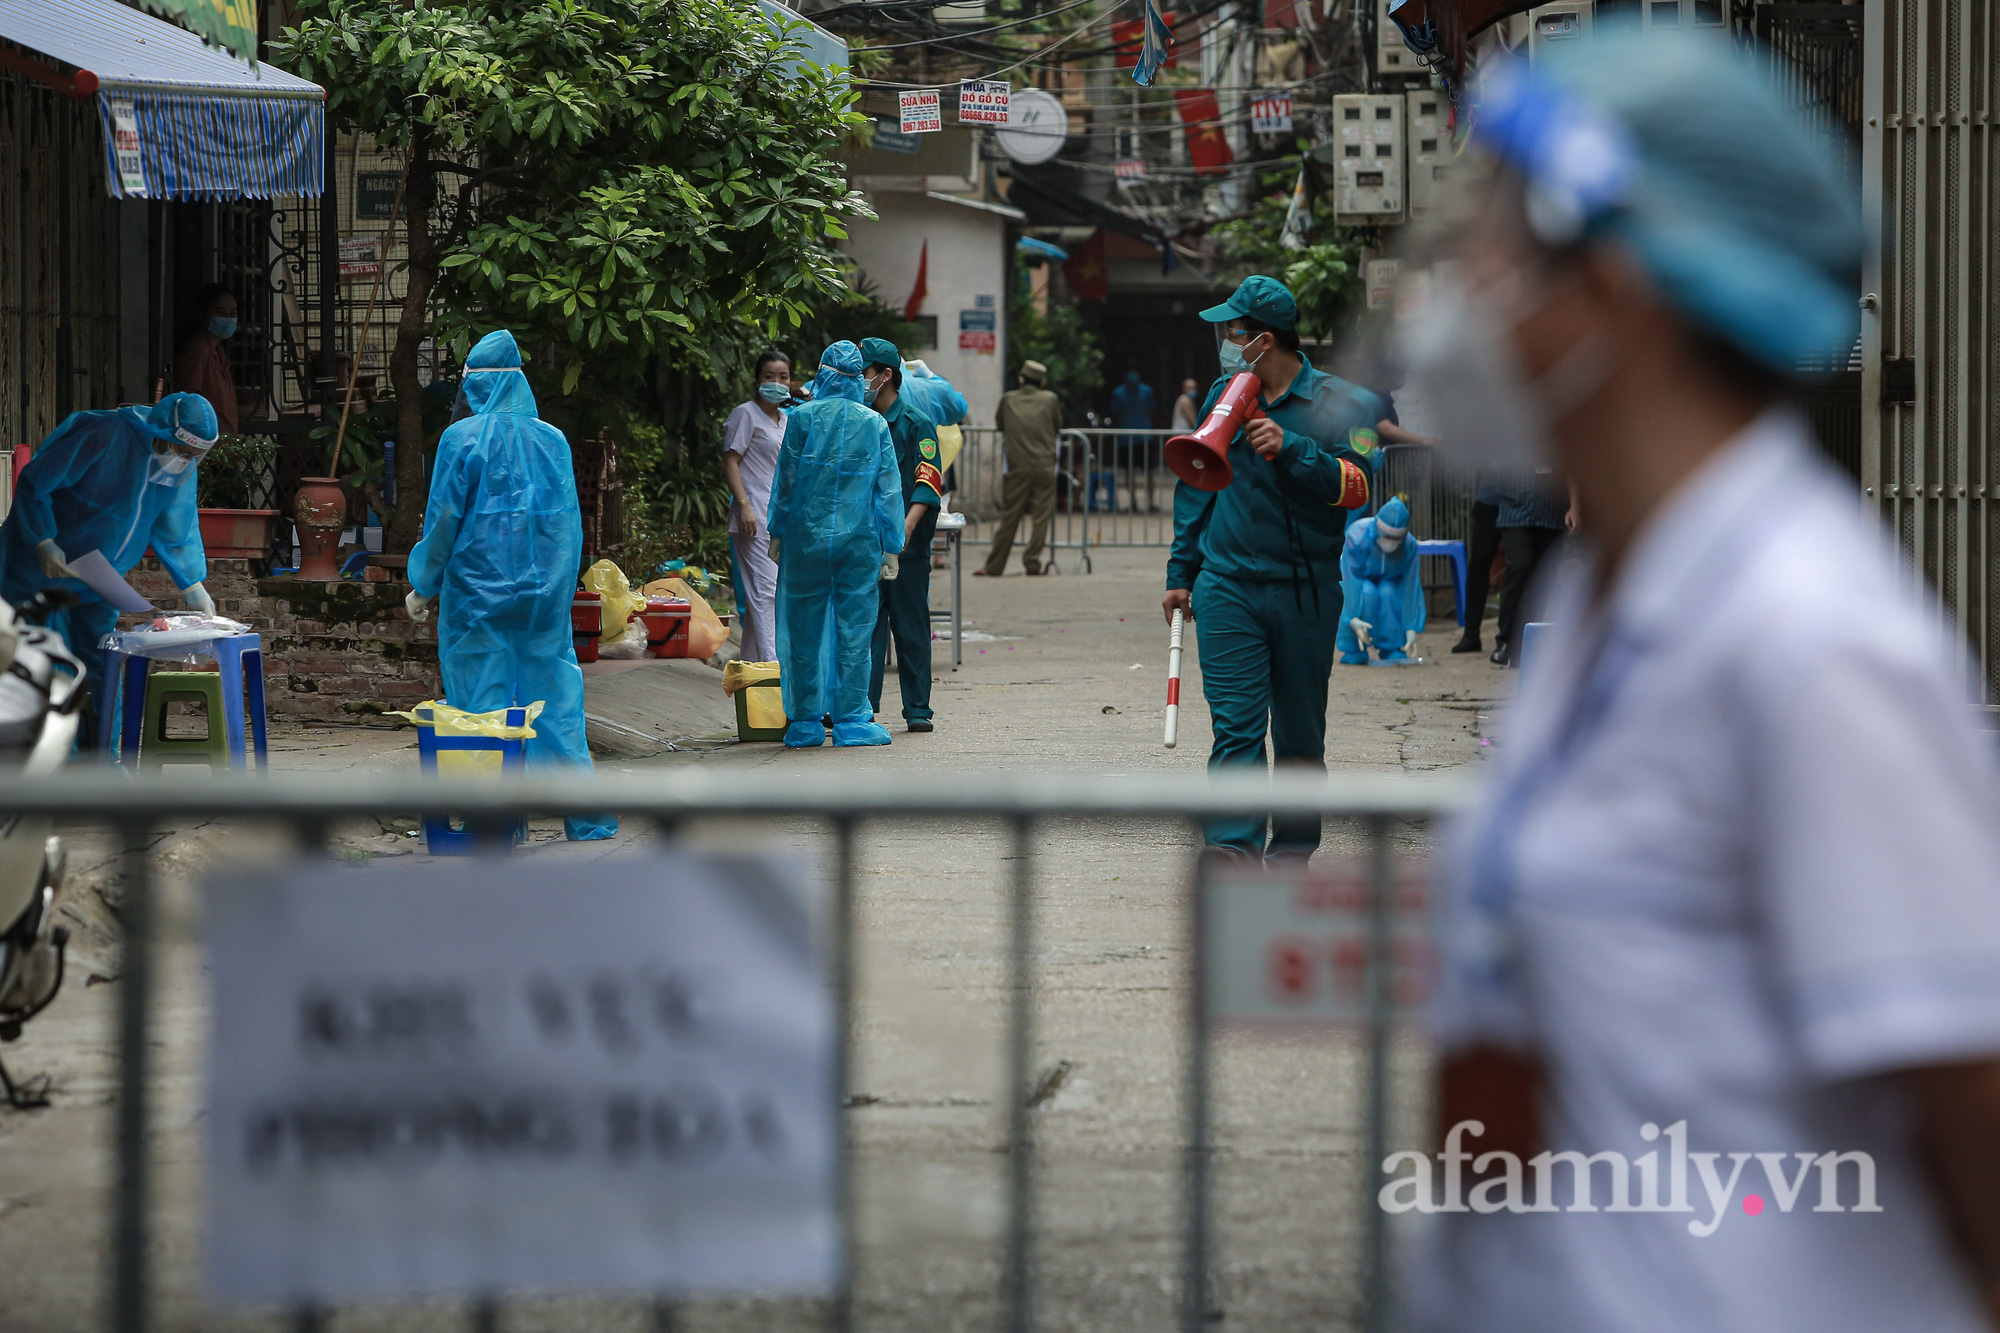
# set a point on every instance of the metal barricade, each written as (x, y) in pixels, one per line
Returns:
(1439, 494)
(312, 808)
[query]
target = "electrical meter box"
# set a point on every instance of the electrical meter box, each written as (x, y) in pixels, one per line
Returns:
(1368, 157)
(1392, 54)
(1550, 27)
(1432, 161)
(1660, 14)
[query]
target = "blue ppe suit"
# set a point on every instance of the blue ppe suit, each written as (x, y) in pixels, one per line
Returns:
(503, 534)
(1260, 557)
(836, 507)
(96, 485)
(935, 397)
(1382, 589)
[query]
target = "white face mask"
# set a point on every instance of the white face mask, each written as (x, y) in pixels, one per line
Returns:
(1460, 358)
(1390, 542)
(166, 469)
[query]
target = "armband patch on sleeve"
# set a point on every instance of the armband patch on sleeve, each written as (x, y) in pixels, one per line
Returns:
(928, 475)
(1353, 486)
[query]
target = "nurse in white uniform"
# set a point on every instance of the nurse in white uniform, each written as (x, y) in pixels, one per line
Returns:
(1727, 919)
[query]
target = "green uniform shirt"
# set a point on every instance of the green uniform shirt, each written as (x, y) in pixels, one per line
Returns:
(916, 452)
(1031, 419)
(1280, 518)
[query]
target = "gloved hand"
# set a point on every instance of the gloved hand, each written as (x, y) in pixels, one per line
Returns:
(1409, 640)
(1361, 628)
(773, 549)
(890, 566)
(418, 605)
(54, 563)
(197, 599)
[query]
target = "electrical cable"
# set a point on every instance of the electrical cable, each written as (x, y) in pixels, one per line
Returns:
(932, 41)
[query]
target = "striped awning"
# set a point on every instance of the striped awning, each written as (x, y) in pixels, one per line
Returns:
(181, 120)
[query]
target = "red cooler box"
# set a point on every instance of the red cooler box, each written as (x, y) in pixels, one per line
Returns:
(667, 620)
(586, 624)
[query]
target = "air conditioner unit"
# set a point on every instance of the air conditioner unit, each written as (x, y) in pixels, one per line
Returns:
(1368, 157)
(1662, 15)
(1550, 27)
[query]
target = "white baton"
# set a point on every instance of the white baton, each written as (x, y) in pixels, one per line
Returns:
(1174, 682)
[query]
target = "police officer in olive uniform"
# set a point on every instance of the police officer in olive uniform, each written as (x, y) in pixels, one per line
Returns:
(906, 599)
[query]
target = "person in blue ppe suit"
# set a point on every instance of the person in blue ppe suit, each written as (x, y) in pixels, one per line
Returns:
(503, 534)
(1257, 561)
(1381, 587)
(906, 599)
(114, 482)
(836, 522)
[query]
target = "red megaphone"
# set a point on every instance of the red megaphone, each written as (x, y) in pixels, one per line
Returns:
(1202, 459)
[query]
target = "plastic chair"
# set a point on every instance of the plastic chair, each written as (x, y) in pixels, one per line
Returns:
(1453, 551)
(440, 838)
(240, 660)
(156, 748)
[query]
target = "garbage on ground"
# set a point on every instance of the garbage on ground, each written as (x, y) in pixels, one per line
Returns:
(627, 647)
(620, 602)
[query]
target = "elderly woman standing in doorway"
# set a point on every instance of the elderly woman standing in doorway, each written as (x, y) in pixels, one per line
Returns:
(750, 441)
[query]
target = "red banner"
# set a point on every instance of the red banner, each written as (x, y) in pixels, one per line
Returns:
(1208, 146)
(1089, 278)
(1128, 35)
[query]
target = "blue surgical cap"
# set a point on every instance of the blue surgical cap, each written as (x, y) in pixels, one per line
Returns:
(1681, 149)
(840, 373)
(497, 350)
(187, 418)
(1394, 515)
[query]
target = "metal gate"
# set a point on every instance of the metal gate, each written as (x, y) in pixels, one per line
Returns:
(1927, 445)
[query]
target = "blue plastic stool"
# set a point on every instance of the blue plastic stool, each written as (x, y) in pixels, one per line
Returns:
(240, 658)
(1453, 551)
(1532, 634)
(440, 838)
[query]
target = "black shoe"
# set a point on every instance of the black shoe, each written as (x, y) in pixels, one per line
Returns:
(918, 724)
(1469, 644)
(1499, 657)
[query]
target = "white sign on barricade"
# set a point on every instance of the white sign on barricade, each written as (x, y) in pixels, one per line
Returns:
(1290, 947)
(983, 101)
(1271, 113)
(530, 1074)
(920, 112)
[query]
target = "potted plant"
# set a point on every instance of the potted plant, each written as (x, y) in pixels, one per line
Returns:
(232, 477)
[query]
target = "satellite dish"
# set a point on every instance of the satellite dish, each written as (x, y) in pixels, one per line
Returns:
(1035, 129)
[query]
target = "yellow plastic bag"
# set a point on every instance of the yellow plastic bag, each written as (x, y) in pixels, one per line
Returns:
(950, 440)
(619, 601)
(705, 631)
(760, 712)
(444, 720)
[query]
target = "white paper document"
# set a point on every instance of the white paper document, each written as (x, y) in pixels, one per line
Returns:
(98, 575)
(521, 1075)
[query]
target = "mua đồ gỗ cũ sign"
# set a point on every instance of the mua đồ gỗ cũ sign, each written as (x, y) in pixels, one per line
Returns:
(522, 1075)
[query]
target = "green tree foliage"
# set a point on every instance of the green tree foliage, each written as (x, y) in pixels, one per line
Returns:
(1061, 342)
(1325, 276)
(643, 190)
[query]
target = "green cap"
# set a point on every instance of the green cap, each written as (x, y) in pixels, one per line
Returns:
(880, 352)
(1263, 299)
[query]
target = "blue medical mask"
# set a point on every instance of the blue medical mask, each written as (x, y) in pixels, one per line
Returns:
(1233, 360)
(222, 326)
(773, 392)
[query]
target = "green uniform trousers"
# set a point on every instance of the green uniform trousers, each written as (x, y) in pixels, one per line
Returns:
(906, 613)
(1264, 666)
(1024, 490)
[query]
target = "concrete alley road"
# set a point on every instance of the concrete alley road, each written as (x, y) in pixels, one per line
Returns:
(1061, 675)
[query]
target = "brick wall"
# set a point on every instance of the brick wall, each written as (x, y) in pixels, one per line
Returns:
(332, 651)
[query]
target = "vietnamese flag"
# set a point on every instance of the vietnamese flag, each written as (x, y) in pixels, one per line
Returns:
(922, 287)
(1088, 276)
(1208, 146)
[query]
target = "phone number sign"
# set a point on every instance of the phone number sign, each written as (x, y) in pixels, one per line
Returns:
(1295, 947)
(526, 1075)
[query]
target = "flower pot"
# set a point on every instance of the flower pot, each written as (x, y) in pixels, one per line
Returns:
(320, 513)
(237, 534)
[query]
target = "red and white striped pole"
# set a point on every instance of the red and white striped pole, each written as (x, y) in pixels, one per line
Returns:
(1174, 682)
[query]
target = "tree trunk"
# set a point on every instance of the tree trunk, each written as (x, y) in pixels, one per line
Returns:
(407, 523)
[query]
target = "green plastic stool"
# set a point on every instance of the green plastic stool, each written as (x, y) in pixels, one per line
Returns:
(166, 687)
